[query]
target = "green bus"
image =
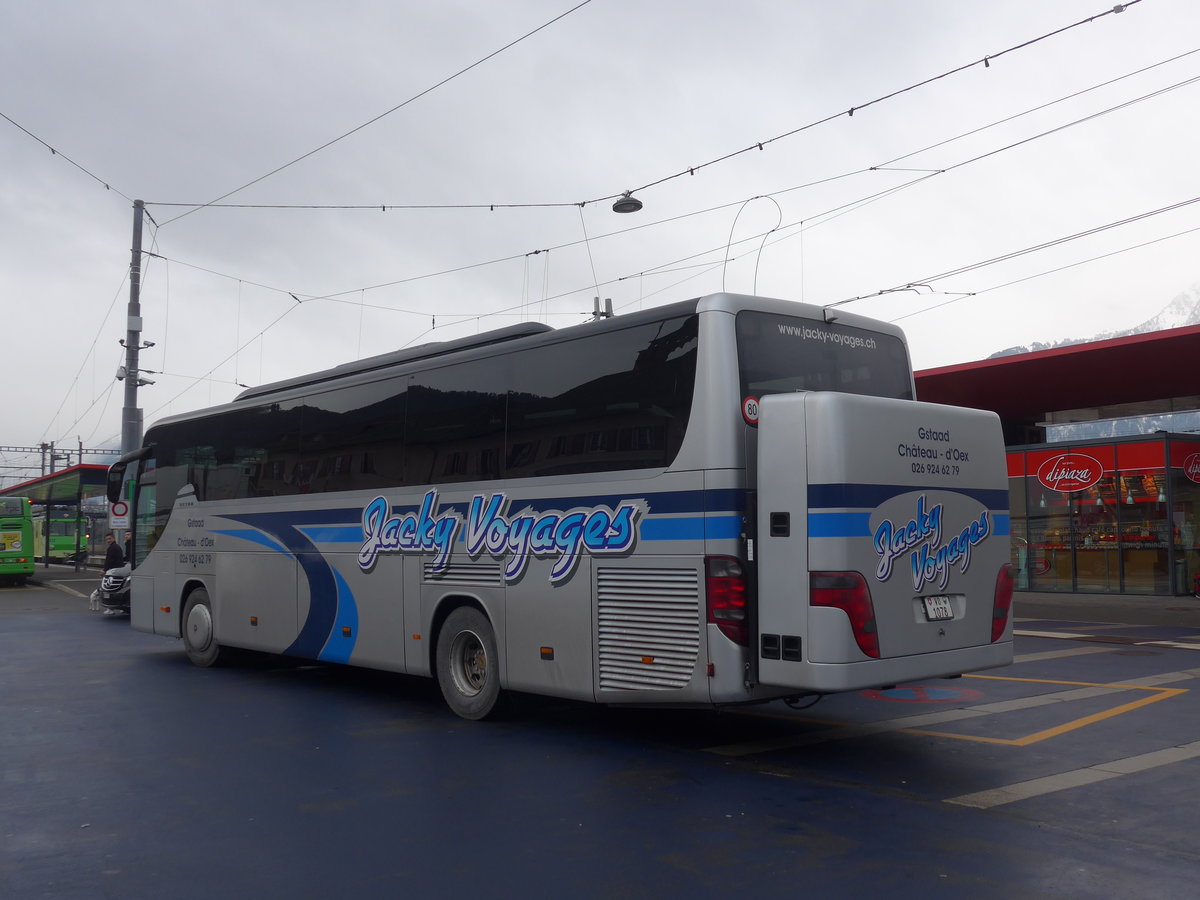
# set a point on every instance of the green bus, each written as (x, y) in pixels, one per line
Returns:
(63, 539)
(16, 539)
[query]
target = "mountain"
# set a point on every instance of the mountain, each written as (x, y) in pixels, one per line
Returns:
(1183, 310)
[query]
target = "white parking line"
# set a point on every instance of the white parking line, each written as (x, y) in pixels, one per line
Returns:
(59, 586)
(1065, 635)
(1178, 645)
(924, 720)
(1064, 654)
(1073, 636)
(1024, 790)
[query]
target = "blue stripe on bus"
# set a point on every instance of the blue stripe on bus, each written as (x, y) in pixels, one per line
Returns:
(839, 524)
(848, 525)
(691, 528)
(340, 645)
(255, 537)
(334, 534)
(322, 586)
(869, 496)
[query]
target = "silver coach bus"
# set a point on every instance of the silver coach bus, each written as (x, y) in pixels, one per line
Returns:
(720, 501)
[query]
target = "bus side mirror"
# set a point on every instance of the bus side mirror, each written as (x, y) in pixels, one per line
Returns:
(116, 479)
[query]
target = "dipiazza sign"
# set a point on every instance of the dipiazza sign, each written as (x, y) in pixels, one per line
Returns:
(1069, 472)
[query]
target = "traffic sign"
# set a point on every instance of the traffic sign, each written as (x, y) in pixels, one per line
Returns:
(118, 515)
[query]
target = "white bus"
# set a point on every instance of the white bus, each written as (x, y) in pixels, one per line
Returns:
(721, 501)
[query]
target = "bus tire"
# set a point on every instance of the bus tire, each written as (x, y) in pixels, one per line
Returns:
(468, 663)
(198, 638)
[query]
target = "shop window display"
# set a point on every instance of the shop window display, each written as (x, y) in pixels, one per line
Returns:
(1108, 518)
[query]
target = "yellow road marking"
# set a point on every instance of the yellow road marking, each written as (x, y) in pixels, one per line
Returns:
(846, 730)
(1075, 724)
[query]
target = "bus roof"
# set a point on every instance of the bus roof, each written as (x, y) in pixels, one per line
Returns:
(409, 354)
(536, 333)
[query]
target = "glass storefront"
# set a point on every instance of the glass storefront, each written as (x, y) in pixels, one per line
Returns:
(1183, 487)
(1107, 517)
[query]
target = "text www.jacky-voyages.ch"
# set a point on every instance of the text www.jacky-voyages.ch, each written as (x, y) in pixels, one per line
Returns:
(811, 333)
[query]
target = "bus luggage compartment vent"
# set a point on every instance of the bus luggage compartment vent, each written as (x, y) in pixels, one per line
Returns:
(471, 574)
(648, 623)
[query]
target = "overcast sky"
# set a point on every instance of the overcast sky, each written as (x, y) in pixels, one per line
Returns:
(184, 102)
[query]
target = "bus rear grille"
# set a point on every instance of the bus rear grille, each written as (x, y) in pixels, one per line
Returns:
(472, 574)
(648, 624)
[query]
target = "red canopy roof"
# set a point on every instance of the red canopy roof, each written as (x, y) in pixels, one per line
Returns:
(1023, 387)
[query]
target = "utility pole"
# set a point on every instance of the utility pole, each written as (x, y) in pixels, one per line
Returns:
(131, 414)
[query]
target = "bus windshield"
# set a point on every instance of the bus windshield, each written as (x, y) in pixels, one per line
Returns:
(12, 506)
(780, 354)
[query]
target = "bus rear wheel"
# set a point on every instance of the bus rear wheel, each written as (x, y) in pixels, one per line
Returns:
(468, 664)
(198, 638)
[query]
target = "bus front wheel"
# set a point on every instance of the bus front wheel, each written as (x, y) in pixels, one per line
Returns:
(467, 663)
(198, 637)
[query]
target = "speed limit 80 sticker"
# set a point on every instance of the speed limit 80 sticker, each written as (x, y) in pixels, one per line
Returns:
(750, 410)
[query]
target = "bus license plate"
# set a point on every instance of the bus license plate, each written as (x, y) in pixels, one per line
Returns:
(938, 608)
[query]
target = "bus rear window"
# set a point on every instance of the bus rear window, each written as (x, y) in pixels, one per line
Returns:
(781, 354)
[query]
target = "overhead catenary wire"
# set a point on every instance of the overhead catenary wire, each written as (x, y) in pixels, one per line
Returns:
(92, 348)
(88, 355)
(1072, 96)
(383, 115)
(200, 378)
(660, 271)
(812, 221)
(1014, 254)
(1055, 270)
(985, 61)
(103, 395)
(690, 170)
(55, 152)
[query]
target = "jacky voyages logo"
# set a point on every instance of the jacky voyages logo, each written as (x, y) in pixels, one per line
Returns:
(513, 539)
(930, 560)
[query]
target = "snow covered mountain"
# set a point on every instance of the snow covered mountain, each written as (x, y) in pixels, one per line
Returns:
(1183, 310)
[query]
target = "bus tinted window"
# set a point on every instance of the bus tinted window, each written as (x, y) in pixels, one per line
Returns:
(779, 354)
(615, 400)
(251, 452)
(353, 437)
(455, 429)
(604, 401)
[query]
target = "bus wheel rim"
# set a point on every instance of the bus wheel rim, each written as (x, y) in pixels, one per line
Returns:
(199, 627)
(468, 663)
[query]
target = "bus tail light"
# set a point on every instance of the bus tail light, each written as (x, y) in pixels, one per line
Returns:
(1002, 603)
(848, 592)
(725, 587)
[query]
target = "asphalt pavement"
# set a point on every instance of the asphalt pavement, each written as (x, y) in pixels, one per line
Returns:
(1116, 609)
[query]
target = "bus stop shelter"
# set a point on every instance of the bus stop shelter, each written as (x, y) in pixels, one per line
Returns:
(73, 490)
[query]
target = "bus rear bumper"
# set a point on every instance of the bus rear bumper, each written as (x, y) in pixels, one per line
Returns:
(831, 678)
